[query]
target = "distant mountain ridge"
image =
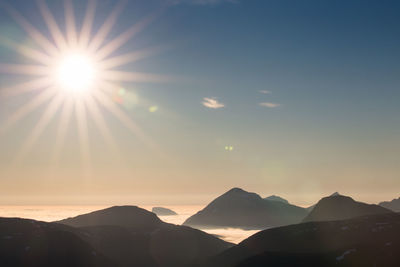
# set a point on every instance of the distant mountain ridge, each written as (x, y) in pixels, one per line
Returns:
(160, 211)
(393, 205)
(338, 207)
(241, 209)
(276, 198)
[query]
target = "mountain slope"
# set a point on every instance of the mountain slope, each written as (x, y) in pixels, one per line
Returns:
(364, 241)
(393, 205)
(31, 243)
(132, 236)
(338, 207)
(241, 209)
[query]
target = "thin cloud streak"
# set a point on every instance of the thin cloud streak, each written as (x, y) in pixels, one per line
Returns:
(212, 103)
(269, 104)
(265, 92)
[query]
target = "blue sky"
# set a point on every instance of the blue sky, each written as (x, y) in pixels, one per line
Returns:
(326, 71)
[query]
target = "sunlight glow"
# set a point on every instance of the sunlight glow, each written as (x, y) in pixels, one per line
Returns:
(76, 73)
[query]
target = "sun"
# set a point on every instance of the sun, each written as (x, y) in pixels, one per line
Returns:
(76, 73)
(81, 63)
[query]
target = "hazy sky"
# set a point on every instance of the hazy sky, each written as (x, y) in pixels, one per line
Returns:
(294, 98)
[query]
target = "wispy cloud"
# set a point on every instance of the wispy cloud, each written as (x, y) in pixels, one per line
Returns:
(269, 104)
(265, 92)
(212, 103)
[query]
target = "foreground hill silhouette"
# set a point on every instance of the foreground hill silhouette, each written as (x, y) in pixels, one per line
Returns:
(338, 207)
(31, 243)
(241, 209)
(364, 241)
(393, 205)
(132, 236)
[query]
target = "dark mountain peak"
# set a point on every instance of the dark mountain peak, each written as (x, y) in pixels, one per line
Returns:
(309, 209)
(242, 209)
(238, 192)
(233, 197)
(277, 198)
(337, 197)
(127, 216)
(340, 207)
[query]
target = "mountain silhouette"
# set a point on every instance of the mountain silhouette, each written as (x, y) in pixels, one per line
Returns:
(125, 216)
(132, 236)
(31, 243)
(276, 198)
(372, 240)
(309, 209)
(160, 211)
(338, 207)
(393, 205)
(241, 209)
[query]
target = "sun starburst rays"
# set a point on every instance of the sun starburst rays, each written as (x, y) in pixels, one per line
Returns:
(60, 104)
(51, 23)
(102, 126)
(35, 34)
(84, 36)
(26, 51)
(106, 28)
(22, 88)
(122, 38)
(70, 23)
(25, 69)
(83, 134)
(39, 128)
(65, 117)
(117, 61)
(23, 111)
